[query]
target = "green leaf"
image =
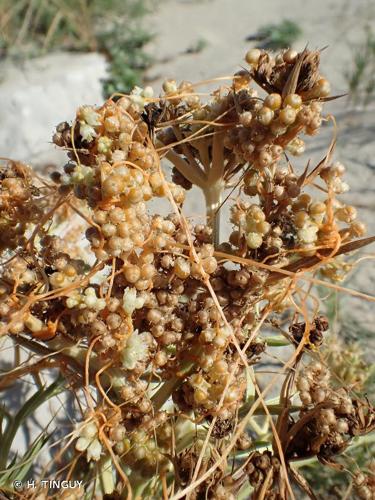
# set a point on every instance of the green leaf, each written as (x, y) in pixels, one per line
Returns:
(276, 341)
(278, 36)
(40, 397)
(19, 470)
(258, 445)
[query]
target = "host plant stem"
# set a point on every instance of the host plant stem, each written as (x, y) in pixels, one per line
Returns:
(210, 178)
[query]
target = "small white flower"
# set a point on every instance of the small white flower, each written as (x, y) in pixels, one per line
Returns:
(226, 331)
(82, 174)
(72, 302)
(87, 433)
(254, 240)
(94, 451)
(138, 101)
(339, 186)
(90, 301)
(136, 350)
(130, 301)
(87, 132)
(87, 299)
(89, 430)
(136, 91)
(104, 144)
(308, 234)
(90, 116)
(148, 92)
(100, 304)
(138, 96)
(82, 443)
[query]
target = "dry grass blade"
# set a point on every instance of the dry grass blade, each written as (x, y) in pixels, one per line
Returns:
(291, 84)
(302, 483)
(308, 263)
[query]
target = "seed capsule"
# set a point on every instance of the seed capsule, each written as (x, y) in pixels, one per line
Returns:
(264, 159)
(112, 186)
(132, 274)
(111, 124)
(265, 115)
(182, 268)
(293, 100)
(273, 101)
(290, 56)
(246, 118)
(322, 88)
(317, 208)
(252, 56)
(287, 115)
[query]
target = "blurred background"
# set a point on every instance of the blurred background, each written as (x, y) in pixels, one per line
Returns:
(56, 55)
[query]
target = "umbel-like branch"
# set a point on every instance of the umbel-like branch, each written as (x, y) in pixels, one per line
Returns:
(207, 155)
(204, 173)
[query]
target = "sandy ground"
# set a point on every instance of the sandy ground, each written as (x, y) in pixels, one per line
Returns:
(225, 24)
(37, 94)
(44, 92)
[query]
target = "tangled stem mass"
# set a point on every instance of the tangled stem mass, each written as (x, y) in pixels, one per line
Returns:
(159, 321)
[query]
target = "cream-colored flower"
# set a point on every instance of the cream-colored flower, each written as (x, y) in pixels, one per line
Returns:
(136, 350)
(104, 144)
(94, 451)
(88, 299)
(90, 116)
(131, 302)
(87, 132)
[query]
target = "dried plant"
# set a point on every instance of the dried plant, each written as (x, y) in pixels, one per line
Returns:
(157, 325)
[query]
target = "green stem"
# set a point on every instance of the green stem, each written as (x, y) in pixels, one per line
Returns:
(165, 391)
(138, 483)
(276, 341)
(213, 197)
(275, 409)
(106, 475)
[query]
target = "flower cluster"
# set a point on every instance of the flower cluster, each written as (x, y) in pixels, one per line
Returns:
(330, 416)
(163, 318)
